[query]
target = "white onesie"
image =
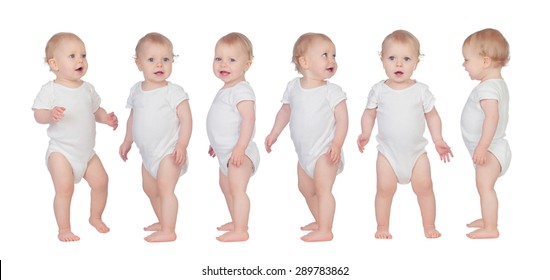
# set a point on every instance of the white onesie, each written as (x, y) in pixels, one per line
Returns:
(401, 124)
(224, 121)
(156, 125)
(74, 135)
(312, 123)
(472, 118)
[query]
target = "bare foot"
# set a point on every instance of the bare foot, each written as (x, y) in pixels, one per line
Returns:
(67, 236)
(233, 236)
(310, 226)
(317, 236)
(226, 227)
(483, 233)
(154, 227)
(99, 225)
(476, 224)
(431, 232)
(383, 234)
(160, 236)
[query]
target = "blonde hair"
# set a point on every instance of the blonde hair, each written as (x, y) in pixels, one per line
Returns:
(56, 40)
(404, 37)
(238, 38)
(154, 37)
(490, 43)
(302, 45)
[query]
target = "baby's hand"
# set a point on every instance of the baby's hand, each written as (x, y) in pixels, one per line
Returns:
(123, 150)
(444, 151)
(211, 151)
(362, 141)
(334, 153)
(480, 155)
(269, 141)
(237, 156)
(57, 113)
(180, 155)
(112, 120)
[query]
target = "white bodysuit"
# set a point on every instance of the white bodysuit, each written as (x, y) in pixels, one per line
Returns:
(74, 135)
(223, 124)
(401, 124)
(472, 118)
(312, 123)
(156, 125)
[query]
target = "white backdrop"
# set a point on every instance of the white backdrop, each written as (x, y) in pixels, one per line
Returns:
(28, 244)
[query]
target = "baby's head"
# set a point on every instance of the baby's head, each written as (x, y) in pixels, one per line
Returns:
(400, 55)
(305, 43)
(154, 57)
(492, 44)
(237, 40)
(404, 38)
(233, 56)
(66, 56)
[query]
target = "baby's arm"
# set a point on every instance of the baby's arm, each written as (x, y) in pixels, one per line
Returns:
(282, 119)
(246, 110)
(110, 119)
(341, 117)
(186, 127)
(490, 122)
(434, 125)
(128, 139)
(367, 123)
(45, 116)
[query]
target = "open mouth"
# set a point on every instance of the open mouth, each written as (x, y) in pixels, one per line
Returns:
(159, 73)
(398, 73)
(224, 73)
(330, 69)
(79, 69)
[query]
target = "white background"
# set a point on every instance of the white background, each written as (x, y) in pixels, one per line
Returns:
(29, 247)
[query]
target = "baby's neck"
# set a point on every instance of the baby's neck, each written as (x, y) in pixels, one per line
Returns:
(311, 83)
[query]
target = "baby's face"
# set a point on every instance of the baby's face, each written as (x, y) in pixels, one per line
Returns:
(155, 61)
(399, 60)
(230, 63)
(319, 61)
(473, 62)
(69, 61)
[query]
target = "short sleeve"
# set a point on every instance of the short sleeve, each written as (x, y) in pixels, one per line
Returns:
(335, 95)
(372, 100)
(241, 92)
(487, 91)
(96, 100)
(288, 91)
(130, 100)
(176, 94)
(428, 100)
(45, 98)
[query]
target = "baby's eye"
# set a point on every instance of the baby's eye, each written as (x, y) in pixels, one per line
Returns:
(165, 59)
(232, 60)
(150, 59)
(83, 55)
(72, 55)
(324, 55)
(407, 59)
(391, 58)
(217, 59)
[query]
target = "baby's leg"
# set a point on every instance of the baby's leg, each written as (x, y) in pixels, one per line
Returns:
(63, 181)
(306, 185)
(238, 178)
(151, 190)
(486, 177)
(421, 181)
(224, 186)
(325, 175)
(97, 178)
(167, 178)
(386, 186)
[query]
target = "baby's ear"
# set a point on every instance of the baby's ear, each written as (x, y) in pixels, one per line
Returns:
(53, 64)
(303, 62)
